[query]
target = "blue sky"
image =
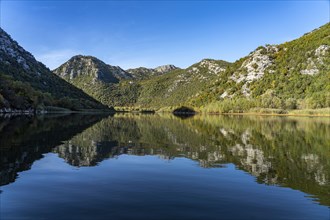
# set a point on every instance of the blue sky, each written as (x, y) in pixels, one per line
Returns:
(152, 33)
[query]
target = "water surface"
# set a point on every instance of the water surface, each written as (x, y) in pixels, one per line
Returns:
(127, 166)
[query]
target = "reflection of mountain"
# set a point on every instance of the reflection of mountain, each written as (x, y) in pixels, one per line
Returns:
(89, 155)
(24, 139)
(290, 152)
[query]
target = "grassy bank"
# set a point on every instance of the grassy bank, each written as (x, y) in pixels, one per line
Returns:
(271, 111)
(134, 109)
(234, 110)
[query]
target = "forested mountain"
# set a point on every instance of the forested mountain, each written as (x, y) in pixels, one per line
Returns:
(178, 86)
(26, 83)
(111, 85)
(147, 88)
(291, 75)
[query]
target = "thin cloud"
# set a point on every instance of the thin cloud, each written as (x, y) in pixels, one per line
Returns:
(53, 59)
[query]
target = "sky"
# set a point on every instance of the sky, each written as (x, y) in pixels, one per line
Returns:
(131, 34)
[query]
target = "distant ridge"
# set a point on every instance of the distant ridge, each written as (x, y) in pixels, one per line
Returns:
(145, 73)
(286, 76)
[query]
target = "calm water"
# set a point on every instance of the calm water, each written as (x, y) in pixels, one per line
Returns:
(129, 166)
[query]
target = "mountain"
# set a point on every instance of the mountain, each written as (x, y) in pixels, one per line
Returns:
(104, 82)
(292, 75)
(84, 68)
(26, 83)
(145, 73)
(148, 88)
(111, 85)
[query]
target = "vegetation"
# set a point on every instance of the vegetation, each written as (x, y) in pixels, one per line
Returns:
(35, 136)
(285, 77)
(18, 95)
(283, 86)
(123, 93)
(27, 84)
(174, 88)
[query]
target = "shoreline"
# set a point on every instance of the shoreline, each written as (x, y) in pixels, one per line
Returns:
(271, 114)
(37, 112)
(313, 113)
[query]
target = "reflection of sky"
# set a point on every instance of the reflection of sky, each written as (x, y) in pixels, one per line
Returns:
(148, 187)
(148, 33)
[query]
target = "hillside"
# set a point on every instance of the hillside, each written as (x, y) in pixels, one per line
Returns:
(292, 75)
(148, 88)
(176, 87)
(26, 84)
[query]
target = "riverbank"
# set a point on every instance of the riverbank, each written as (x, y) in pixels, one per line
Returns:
(324, 112)
(320, 112)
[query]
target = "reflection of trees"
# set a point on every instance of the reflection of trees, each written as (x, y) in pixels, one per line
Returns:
(287, 151)
(24, 139)
(291, 152)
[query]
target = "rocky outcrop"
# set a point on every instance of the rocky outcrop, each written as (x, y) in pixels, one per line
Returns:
(142, 72)
(10, 51)
(145, 73)
(313, 63)
(165, 69)
(256, 64)
(210, 66)
(253, 68)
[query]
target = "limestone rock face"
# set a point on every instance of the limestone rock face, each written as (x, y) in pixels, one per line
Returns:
(314, 62)
(165, 68)
(206, 68)
(256, 64)
(13, 54)
(144, 73)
